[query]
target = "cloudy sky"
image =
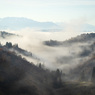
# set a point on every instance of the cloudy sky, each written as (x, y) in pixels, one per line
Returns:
(49, 10)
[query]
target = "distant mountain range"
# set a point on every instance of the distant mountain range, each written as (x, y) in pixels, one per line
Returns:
(17, 23)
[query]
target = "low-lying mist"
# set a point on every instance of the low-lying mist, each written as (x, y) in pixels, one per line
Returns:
(64, 58)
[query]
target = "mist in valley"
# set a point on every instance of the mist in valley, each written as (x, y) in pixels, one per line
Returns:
(66, 62)
(47, 47)
(57, 57)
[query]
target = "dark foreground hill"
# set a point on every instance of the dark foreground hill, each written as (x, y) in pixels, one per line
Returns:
(19, 77)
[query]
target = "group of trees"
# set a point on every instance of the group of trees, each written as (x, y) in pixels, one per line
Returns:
(84, 78)
(57, 79)
(93, 75)
(9, 45)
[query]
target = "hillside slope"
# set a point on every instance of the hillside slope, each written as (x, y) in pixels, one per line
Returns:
(19, 77)
(83, 38)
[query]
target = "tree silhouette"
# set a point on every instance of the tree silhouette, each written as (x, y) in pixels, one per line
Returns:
(93, 75)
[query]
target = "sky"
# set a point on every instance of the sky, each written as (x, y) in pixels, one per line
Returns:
(49, 10)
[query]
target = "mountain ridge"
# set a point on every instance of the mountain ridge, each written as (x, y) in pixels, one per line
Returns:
(16, 23)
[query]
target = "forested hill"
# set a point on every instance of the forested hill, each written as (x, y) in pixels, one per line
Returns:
(19, 77)
(4, 34)
(83, 38)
